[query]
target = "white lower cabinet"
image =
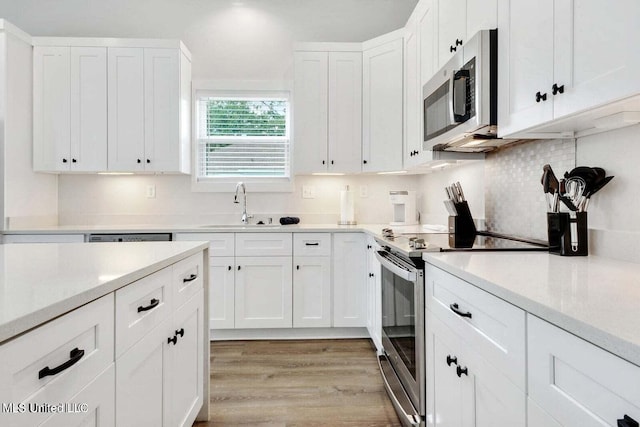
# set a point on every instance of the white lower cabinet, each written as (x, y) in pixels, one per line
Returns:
(349, 280)
(222, 292)
(571, 382)
(311, 291)
(469, 391)
(374, 294)
(263, 294)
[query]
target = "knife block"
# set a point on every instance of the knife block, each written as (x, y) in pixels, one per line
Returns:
(559, 232)
(462, 229)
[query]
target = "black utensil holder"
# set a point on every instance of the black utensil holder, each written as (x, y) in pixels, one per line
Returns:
(559, 232)
(462, 229)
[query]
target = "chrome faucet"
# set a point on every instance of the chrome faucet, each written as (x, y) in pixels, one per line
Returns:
(245, 215)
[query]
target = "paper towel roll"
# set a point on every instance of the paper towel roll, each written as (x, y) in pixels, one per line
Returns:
(346, 207)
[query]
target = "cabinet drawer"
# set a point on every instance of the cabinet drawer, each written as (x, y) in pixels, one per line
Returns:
(141, 306)
(263, 244)
(96, 403)
(187, 278)
(24, 359)
(312, 244)
(492, 326)
(220, 244)
(577, 383)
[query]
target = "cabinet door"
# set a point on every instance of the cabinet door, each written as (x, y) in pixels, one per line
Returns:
(51, 108)
(427, 37)
(141, 387)
(596, 53)
(161, 110)
(263, 292)
(310, 111)
(88, 109)
(345, 112)
(412, 99)
(525, 61)
(452, 28)
(349, 279)
(382, 105)
(311, 292)
(126, 109)
(221, 292)
(186, 362)
(374, 294)
(481, 15)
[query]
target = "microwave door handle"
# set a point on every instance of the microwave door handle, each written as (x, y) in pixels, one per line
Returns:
(452, 116)
(460, 77)
(407, 275)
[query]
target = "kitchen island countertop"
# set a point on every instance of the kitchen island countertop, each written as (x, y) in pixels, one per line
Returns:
(40, 282)
(593, 297)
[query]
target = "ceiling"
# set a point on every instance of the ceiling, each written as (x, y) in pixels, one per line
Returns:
(250, 39)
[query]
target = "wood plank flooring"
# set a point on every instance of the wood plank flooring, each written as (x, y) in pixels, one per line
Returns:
(297, 383)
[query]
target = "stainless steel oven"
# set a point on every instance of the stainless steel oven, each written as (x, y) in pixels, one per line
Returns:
(402, 361)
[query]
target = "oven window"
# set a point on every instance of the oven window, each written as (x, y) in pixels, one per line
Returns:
(398, 317)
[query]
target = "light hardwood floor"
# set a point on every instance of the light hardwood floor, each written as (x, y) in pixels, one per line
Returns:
(297, 383)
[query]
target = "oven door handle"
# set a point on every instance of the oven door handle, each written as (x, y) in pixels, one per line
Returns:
(408, 275)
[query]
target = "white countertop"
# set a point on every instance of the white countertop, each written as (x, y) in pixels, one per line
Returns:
(39, 282)
(595, 298)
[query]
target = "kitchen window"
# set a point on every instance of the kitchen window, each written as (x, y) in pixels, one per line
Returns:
(242, 136)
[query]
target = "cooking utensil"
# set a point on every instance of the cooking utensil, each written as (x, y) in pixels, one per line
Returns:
(599, 186)
(554, 186)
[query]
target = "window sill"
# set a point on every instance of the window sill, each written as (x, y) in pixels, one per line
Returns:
(253, 185)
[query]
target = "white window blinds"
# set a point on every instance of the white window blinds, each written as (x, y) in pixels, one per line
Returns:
(243, 137)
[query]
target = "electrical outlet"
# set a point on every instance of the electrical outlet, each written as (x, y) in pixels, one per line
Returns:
(364, 191)
(151, 191)
(308, 192)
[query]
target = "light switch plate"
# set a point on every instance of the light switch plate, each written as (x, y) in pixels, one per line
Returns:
(151, 191)
(364, 191)
(308, 192)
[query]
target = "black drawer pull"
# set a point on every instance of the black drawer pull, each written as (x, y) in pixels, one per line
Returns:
(452, 359)
(148, 161)
(452, 49)
(541, 96)
(627, 421)
(555, 89)
(173, 340)
(312, 244)
(180, 332)
(462, 371)
(229, 268)
(64, 160)
(190, 278)
(154, 303)
(454, 307)
(74, 357)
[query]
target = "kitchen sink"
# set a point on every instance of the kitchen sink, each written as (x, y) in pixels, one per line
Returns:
(243, 226)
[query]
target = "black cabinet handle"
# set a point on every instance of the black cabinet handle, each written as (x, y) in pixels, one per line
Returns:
(555, 89)
(454, 307)
(153, 303)
(190, 278)
(238, 268)
(371, 274)
(148, 161)
(297, 267)
(74, 161)
(331, 161)
(452, 48)
(364, 161)
(229, 268)
(458, 42)
(173, 340)
(180, 332)
(139, 161)
(368, 246)
(541, 96)
(452, 359)
(627, 421)
(312, 244)
(74, 357)
(64, 160)
(323, 162)
(462, 371)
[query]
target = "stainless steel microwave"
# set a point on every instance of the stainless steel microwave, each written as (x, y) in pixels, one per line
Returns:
(460, 101)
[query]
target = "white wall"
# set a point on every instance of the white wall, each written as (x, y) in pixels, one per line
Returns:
(29, 198)
(106, 200)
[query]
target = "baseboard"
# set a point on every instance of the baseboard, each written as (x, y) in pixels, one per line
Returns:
(286, 334)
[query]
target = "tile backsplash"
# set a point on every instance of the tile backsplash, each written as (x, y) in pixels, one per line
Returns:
(514, 200)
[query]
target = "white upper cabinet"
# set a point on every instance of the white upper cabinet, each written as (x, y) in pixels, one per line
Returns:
(427, 37)
(70, 104)
(327, 115)
(126, 109)
(412, 95)
(558, 59)
(459, 20)
(382, 103)
(98, 107)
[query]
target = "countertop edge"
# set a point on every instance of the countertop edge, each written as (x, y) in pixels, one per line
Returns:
(24, 324)
(606, 341)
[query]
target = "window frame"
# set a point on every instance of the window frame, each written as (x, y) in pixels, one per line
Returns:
(246, 89)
